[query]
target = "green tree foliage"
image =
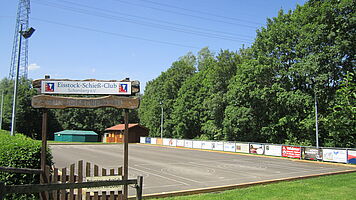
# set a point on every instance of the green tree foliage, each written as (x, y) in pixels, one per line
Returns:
(163, 91)
(306, 52)
(342, 120)
(25, 112)
(199, 108)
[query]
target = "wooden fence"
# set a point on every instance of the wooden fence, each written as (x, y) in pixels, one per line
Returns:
(68, 184)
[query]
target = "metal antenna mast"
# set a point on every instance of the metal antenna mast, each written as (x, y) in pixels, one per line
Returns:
(23, 14)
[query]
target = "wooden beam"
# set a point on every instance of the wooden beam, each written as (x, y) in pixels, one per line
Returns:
(59, 102)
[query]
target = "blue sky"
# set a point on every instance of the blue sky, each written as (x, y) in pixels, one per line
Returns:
(115, 39)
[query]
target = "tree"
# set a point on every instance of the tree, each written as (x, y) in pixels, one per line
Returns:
(163, 91)
(31, 128)
(341, 121)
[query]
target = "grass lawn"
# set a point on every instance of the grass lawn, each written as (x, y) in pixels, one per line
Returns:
(341, 187)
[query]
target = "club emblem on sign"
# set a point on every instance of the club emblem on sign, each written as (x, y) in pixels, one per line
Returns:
(49, 87)
(123, 88)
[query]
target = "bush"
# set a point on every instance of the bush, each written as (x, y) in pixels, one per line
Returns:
(21, 152)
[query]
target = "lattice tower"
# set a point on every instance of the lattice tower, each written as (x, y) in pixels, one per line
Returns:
(23, 13)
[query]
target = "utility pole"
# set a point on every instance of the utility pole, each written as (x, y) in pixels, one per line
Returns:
(161, 119)
(316, 121)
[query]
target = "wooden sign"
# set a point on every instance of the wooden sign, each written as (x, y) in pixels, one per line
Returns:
(46, 101)
(87, 87)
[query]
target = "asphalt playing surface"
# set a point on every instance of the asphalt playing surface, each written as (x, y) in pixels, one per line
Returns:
(167, 169)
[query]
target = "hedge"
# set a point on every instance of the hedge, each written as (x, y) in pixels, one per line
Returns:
(21, 152)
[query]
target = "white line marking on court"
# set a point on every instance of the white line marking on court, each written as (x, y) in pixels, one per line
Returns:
(191, 180)
(162, 186)
(160, 176)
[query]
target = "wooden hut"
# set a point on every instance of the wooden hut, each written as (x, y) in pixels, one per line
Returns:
(115, 134)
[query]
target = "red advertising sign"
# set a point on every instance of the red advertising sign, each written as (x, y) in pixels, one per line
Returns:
(291, 152)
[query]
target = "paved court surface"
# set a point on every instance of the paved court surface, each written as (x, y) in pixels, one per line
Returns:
(167, 169)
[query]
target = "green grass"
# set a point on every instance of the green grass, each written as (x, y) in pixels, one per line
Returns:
(333, 187)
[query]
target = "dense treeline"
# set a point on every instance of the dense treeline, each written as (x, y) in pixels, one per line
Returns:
(28, 120)
(266, 93)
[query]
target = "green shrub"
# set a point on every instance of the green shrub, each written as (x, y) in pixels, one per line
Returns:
(21, 152)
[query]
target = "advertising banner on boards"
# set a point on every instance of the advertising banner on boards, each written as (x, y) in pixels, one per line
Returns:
(153, 140)
(273, 150)
(173, 142)
(351, 156)
(229, 146)
(291, 151)
(142, 140)
(218, 146)
(196, 144)
(334, 155)
(159, 141)
(188, 143)
(310, 153)
(242, 147)
(256, 148)
(166, 141)
(148, 140)
(206, 145)
(180, 143)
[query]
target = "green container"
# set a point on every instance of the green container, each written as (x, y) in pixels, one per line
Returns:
(76, 136)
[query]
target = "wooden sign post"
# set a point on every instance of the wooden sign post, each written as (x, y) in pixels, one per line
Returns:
(119, 97)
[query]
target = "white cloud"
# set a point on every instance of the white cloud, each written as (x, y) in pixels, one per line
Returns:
(33, 67)
(93, 70)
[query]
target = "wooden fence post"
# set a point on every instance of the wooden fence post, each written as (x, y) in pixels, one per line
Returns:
(55, 180)
(43, 178)
(139, 187)
(80, 178)
(87, 174)
(71, 180)
(126, 152)
(64, 180)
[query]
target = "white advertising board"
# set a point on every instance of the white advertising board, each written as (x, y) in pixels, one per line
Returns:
(256, 148)
(206, 145)
(229, 146)
(196, 144)
(173, 142)
(242, 147)
(85, 87)
(334, 155)
(153, 140)
(180, 143)
(218, 146)
(273, 150)
(166, 141)
(188, 143)
(143, 140)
